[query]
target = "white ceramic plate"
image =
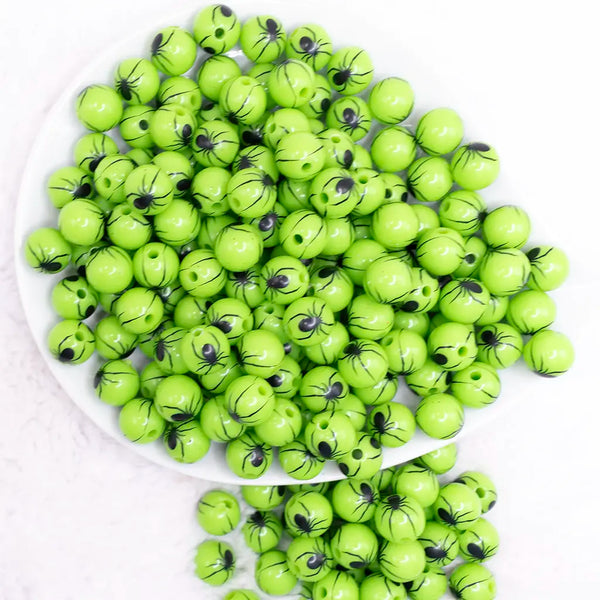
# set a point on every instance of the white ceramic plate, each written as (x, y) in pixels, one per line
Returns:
(53, 148)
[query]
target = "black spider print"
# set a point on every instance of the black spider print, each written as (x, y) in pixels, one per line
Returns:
(311, 46)
(127, 83)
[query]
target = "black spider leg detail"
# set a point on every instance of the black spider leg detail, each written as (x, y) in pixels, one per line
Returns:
(127, 86)
(157, 48)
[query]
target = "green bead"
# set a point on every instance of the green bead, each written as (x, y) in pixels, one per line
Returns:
(263, 38)
(395, 225)
(391, 100)
(216, 29)
(241, 595)
(499, 345)
(440, 543)
(339, 149)
(139, 310)
(155, 265)
(179, 168)
(330, 435)
(190, 312)
(406, 351)
(439, 131)
(440, 416)
(250, 400)
(354, 500)
(134, 126)
(116, 382)
(217, 380)
(283, 425)
(178, 224)
(362, 159)
(209, 190)
(440, 251)
(364, 460)
(475, 166)
(354, 546)
(140, 156)
(248, 457)
(47, 251)
(303, 234)
(148, 190)
(282, 122)
(201, 275)
(99, 107)
(531, 311)
(383, 479)
(495, 310)
(431, 378)
(309, 559)
(269, 317)
(214, 562)
(243, 100)
(398, 518)
(401, 561)
(392, 424)
(371, 191)
(128, 229)
(308, 514)
(340, 236)
(150, 377)
(261, 72)
(463, 300)
(350, 70)
(479, 542)
(429, 585)
(350, 115)
(336, 585)
(67, 184)
(380, 393)
(172, 127)
(261, 353)
(214, 73)
(251, 193)
(218, 512)
(257, 157)
(173, 51)
(362, 363)
(333, 193)
(472, 582)
(441, 460)
(112, 341)
(238, 247)
(205, 349)
(284, 279)
(91, 149)
(217, 423)
(475, 250)
(269, 225)
(359, 256)
(334, 286)
(215, 143)
(210, 229)
(476, 386)
(308, 321)
(186, 442)
(291, 83)
(418, 322)
(272, 573)
(378, 587)
(396, 191)
(140, 422)
(311, 44)
(549, 353)
(429, 178)
(179, 91)
(369, 319)
(320, 101)
(457, 505)
(328, 351)
(506, 227)
(263, 497)
(262, 531)
(417, 482)
(81, 222)
(387, 279)
(300, 155)
(231, 316)
(74, 298)
(463, 211)
(393, 149)
(71, 342)
(452, 346)
(299, 462)
(549, 268)
(322, 388)
(178, 398)
(482, 485)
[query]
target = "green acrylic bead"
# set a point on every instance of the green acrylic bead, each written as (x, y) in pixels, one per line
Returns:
(401, 561)
(71, 342)
(363, 362)
(472, 582)
(263, 497)
(155, 265)
(371, 190)
(439, 461)
(439, 131)
(309, 559)
(457, 505)
(269, 225)
(140, 422)
(179, 91)
(475, 166)
(482, 485)
(148, 190)
(463, 300)
(214, 562)
(210, 229)
(549, 268)
(336, 585)
(186, 442)
(201, 275)
(395, 225)
(67, 184)
(139, 310)
(178, 398)
(218, 512)
(452, 346)
(531, 311)
(393, 149)
(99, 108)
(238, 247)
(476, 386)
(112, 341)
(391, 100)
(217, 380)
(216, 29)
(299, 462)
(369, 319)
(406, 351)
(387, 279)
(282, 122)
(269, 317)
(339, 149)
(134, 126)
(261, 353)
(81, 222)
(333, 285)
(354, 546)
(116, 382)
(250, 400)
(418, 322)
(257, 157)
(392, 424)
(308, 514)
(178, 224)
(429, 585)
(233, 317)
(91, 149)
(431, 378)
(291, 83)
(243, 100)
(479, 542)
(109, 270)
(440, 416)
(263, 38)
(215, 144)
(350, 115)
(310, 44)
(440, 543)
(396, 191)
(172, 127)
(350, 70)
(362, 159)
(383, 479)
(506, 227)
(475, 250)
(248, 457)
(173, 51)
(440, 251)
(549, 353)
(150, 377)
(429, 178)
(284, 279)
(499, 345)
(322, 388)
(417, 482)
(217, 423)
(378, 587)
(308, 321)
(140, 156)
(380, 393)
(190, 312)
(262, 531)
(364, 460)
(317, 106)
(282, 426)
(251, 193)
(214, 73)
(340, 236)
(128, 229)
(328, 351)
(333, 193)
(399, 518)
(330, 435)
(495, 310)
(300, 155)
(463, 211)
(303, 234)
(209, 190)
(354, 500)
(178, 168)
(74, 298)
(273, 575)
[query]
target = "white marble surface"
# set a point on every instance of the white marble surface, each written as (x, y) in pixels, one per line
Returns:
(81, 517)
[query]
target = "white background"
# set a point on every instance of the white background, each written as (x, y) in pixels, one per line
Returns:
(81, 517)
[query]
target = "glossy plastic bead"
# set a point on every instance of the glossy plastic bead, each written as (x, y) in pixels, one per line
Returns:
(472, 582)
(475, 166)
(439, 131)
(71, 342)
(399, 518)
(354, 546)
(387, 279)
(371, 190)
(424, 293)
(178, 398)
(233, 317)
(172, 127)
(339, 149)
(238, 247)
(283, 122)
(319, 103)
(263, 497)
(218, 512)
(140, 422)
(336, 585)
(440, 251)
(112, 341)
(391, 100)
(128, 229)
(495, 311)
(148, 190)
(139, 310)
(258, 157)
(262, 531)
(214, 73)
(350, 115)
(243, 100)
(350, 70)
(431, 378)
(299, 462)
(273, 575)
(308, 514)
(330, 435)
(549, 353)
(190, 312)
(417, 482)
(251, 193)
(393, 149)
(173, 51)
(261, 353)
(269, 317)
(482, 485)
(250, 400)
(303, 234)
(439, 461)
(134, 126)
(333, 193)
(395, 225)
(401, 561)
(186, 442)
(91, 149)
(440, 543)
(67, 184)
(364, 460)
(309, 559)
(215, 144)
(99, 107)
(549, 268)
(214, 562)
(359, 256)
(476, 386)
(463, 211)
(380, 393)
(333, 285)
(452, 346)
(300, 155)
(292, 83)
(179, 90)
(506, 227)
(429, 178)
(155, 265)
(475, 250)
(263, 38)
(406, 351)
(209, 190)
(216, 29)
(392, 424)
(417, 322)
(340, 236)
(116, 382)
(463, 300)
(74, 298)
(479, 542)
(308, 321)
(330, 348)
(217, 423)
(457, 505)
(310, 44)
(201, 275)
(499, 345)
(531, 311)
(269, 225)
(322, 388)
(354, 500)
(81, 222)
(440, 416)
(178, 168)
(248, 457)
(363, 362)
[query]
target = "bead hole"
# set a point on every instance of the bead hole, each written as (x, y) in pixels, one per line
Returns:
(305, 166)
(106, 181)
(289, 413)
(336, 139)
(193, 277)
(298, 238)
(153, 254)
(79, 336)
(148, 318)
(324, 198)
(262, 390)
(143, 124)
(180, 112)
(363, 179)
(357, 454)
(152, 433)
(269, 309)
(304, 93)
(219, 33)
(475, 376)
(126, 211)
(426, 291)
(462, 351)
(323, 425)
(81, 293)
(480, 492)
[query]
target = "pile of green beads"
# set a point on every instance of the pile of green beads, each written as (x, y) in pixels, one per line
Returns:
(278, 277)
(406, 532)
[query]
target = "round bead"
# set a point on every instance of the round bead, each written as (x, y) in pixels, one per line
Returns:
(299, 462)
(283, 425)
(217, 423)
(99, 108)
(381, 392)
(308, 514)
(150, 377)
(310, 44)
(430, 585)
(369, 319)
(418, 322)
(261, 353)
(178, 168)
(231, 316)
(495, 310)
(395, 225)
(393, 149)
(317, 106)
(440, 543)
(339, 148)
(322, 388)
(429, 178)
(417, 482)
(292, 83)
(112, 341)
(531, 311)
(457, 505)
(350, 70)
(128, 229)
(350, 115)
(482, 485)
(201, 275)
(135, 126)
(216, 29)
(333, 285)
(308, 321)
(303, 234)
(440, 251)
(179, 90)
(309, 559)
(463, 300)
(273, 575)
(472, 582)
(399, 518)
(74, 298)
(148, 190)
(251, 193)
(81, 222)
(173, 51)
(91, 149)
(250, 400)
(243, 99)
(214, 73)
(406, 351)
(209, 190)
(401, 561)
(364, 460)
(395, 190)
(431, 378)
(116, 382)
(140, 422)
(476, 386)
(205, 349)
(262, 531)
(248, 457)
(333, 193)
(172, 127)
(391, 100)
(178, 398)
(463, 211)
(263, 38)
(354, 546)
(506, 227)
(186, 442)
(330, 435)
(190, 312)
(139, 310)
(214, 562)
(155, 265)
(549, 268)
(359, 256)
(499, 345)
(452, 346)
(475, 166)
(549, 353)
(67, 184)
(215, 143)
(391, 424)
(441, 460)
(218, 512)
(387, 279)
(363, 362)
(300, 155)
(263, 497)
(71, 342)
(238, 247)
(282, 122)
(439, 131)
(336, 585)
(479, 542)
(440, 416)
(354, 500)
(330, 348)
